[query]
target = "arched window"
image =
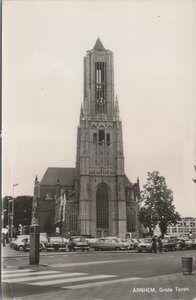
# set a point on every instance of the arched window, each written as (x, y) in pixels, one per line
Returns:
(102, 215)
(131, 220)
(73, 220)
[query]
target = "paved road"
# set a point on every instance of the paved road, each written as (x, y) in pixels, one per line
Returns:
(101, 275)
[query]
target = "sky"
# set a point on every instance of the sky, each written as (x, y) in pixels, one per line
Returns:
(154, 45)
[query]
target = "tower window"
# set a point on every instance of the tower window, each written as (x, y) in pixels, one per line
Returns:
(108, 139)
(100, 88)
(101, 137)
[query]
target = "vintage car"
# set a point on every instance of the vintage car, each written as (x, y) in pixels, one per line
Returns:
(144, 245)
(20, 239)
(181, 244)
(110, 243)
(78, 243)
(135, 242)
(130, 243)
(56, 243)
(42, 246)
(20, 245)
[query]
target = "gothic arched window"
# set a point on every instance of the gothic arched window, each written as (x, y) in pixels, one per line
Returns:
(131, 220)
(100, 87)
(102, 213)
(73, 220)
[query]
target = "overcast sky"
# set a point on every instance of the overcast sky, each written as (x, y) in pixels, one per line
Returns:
(154, 45)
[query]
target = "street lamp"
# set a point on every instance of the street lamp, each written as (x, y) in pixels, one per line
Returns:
(12, 213)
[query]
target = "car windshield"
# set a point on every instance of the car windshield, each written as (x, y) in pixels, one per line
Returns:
(146, 240)
(102, 240)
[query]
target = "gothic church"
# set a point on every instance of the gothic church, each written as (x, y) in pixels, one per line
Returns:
(95, 198)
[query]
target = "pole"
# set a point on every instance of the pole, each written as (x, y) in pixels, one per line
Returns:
(12, 214)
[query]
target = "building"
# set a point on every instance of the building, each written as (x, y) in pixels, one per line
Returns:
(184, 227)
(95, 198)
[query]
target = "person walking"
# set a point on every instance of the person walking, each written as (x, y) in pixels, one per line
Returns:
(3, 238)
(154, 245)
(159, 245)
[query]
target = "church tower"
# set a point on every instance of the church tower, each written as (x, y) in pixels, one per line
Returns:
(100, 159)
(95, 198)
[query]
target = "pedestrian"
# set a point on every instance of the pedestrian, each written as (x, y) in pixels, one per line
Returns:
(159, 244)
(154, 245)
(3, 239)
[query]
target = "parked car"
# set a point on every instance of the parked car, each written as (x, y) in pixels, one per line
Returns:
(180, 245)
(78, 243)
(110, 243)
(135, 243)
(130, 243)
(19, 242)
(56, 243)
(42, 246)
(91, 241)
(189, 244)
(20, 245)
(144, 245)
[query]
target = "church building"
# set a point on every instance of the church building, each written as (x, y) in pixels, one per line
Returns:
(95, 198)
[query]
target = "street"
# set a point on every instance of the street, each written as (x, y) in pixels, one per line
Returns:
(99, 275)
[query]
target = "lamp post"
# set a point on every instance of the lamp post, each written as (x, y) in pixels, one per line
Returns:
(12, 214)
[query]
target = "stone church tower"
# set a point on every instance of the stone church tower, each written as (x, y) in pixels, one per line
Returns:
(95, 198)
(100, 157)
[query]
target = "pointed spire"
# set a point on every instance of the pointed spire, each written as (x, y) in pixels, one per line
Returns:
(36, 179)
(99, 46)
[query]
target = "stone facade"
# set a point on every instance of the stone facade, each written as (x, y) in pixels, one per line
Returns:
(98, 200)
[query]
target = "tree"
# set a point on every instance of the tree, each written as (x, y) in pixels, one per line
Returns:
(158, 208)
(22, 210)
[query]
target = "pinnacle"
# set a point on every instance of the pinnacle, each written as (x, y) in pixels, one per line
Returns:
(99, 46)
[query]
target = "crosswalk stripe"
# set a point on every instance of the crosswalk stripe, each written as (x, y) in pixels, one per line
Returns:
(68, 280)
(93, 284)
(29, 274)
(30, 278)
(88, 263)
(17, 271)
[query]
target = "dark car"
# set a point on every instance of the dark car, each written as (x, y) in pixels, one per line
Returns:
(180, 245)
(56, 243)
(78, 243)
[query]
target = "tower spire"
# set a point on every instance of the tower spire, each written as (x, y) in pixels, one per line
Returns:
(99, 46)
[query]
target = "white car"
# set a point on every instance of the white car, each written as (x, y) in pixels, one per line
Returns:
(145, 245)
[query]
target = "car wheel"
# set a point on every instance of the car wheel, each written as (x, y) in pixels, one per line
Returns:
(117, 249)
(20, 248)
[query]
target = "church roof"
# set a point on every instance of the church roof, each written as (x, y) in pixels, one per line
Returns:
(65, 176)
(99, 46)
